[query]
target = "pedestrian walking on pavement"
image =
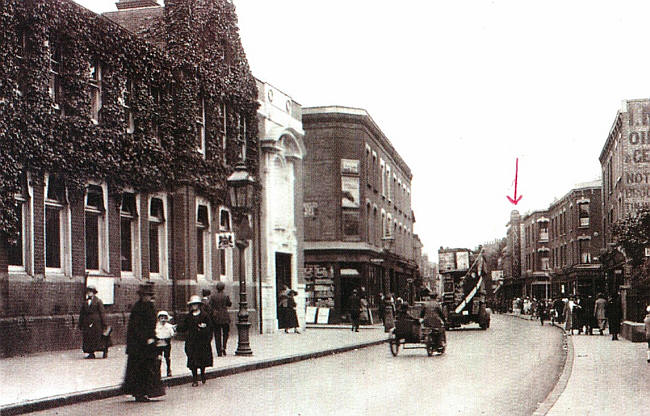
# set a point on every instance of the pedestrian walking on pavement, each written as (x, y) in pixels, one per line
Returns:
(380, 311)
(354, 309)
(164, 333)
(600, 309)
(577, 315)
(142, 381)
(614, 315)
(542, 311)
(646, 321)
(292, 316)
(389, 312)
(198, 326)
(283, 299)
(219, 304)
(568, 316)
(92, 323)
(558, 307)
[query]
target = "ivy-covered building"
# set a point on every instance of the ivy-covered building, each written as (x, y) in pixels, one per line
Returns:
(118, 132)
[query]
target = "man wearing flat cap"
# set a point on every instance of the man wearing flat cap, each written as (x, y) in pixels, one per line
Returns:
(142, 379)
(92, 322)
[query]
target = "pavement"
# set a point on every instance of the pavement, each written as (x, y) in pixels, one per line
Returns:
(601, 377)
(52, 379)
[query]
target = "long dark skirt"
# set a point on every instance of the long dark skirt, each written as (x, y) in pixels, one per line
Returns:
(199, 353)
(291, 318)
(282, 317)
(143, 376)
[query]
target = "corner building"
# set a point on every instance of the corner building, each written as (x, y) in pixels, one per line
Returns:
(625, 166)
(358, 219)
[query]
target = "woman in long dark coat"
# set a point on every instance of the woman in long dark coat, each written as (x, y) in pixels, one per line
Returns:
(291, 315)
(142, 379)
(92, 322)
(614, 315)
(198, 325)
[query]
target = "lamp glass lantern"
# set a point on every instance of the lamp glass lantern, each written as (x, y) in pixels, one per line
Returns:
(240, 188)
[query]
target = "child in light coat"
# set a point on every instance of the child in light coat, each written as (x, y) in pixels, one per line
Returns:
(164, 333)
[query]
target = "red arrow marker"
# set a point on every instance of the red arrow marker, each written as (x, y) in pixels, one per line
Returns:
(515, 200)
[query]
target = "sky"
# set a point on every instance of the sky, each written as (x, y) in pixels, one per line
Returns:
(462, 89)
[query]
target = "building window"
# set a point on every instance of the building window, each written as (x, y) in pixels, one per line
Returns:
(224, 253)
(56, 69)
(55, 224)
(583, 214)
(202, 239)
(222, 116)
(95, 86)
(369, 237)
(95, 231)
(157, 236)
(368, 167)
(241, 136)
(351, 222)
(543, 231)
(583, 248)
(156, 97)
(544, 260)
(129, 238)
(375, 170)
(382, 178)
(389, 194)
(200, 127)
(18, 251)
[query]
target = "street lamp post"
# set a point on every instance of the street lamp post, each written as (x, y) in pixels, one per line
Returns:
(240, 187)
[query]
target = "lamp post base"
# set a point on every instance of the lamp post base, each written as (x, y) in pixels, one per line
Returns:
(243, 346)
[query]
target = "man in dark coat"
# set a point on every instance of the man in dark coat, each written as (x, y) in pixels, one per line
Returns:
(614, 315)
(433, 316)
(354, 308)
(142, 379)
(92, 323)
(219, 304)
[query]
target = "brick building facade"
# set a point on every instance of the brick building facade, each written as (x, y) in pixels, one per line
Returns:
(625, 166)
(357, 207)
(112, 234)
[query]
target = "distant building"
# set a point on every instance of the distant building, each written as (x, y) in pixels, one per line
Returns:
(357, 210)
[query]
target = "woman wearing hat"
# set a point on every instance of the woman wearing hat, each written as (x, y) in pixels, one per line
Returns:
(92, 322)
(142, 379)
(198, 325)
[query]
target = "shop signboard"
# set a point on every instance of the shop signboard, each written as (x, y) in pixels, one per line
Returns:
(349, 167)
(462, 260)
(447, 261)
(349, 192)
(310, 314)
(323, 316)
(105, 288)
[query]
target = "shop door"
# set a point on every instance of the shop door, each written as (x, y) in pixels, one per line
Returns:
(282, 277)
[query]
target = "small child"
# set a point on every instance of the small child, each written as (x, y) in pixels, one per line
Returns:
(646, 321)
(164, 333)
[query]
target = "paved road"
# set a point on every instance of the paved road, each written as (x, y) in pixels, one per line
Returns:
(505, 370)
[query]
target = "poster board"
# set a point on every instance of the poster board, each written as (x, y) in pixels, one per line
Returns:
(225, 240)
(323, 316)
(105, 288)
(310, 314)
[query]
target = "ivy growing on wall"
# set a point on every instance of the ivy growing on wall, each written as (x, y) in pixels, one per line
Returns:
(199, 57)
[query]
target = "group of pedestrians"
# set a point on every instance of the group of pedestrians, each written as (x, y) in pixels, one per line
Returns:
(149, 335)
